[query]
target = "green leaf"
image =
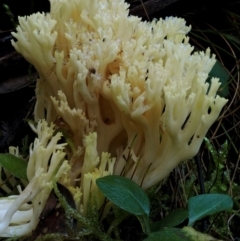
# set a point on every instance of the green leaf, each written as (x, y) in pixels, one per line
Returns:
(220, 72)
(125, 193)
(15, 165)
(207, 204)
(173, 219)
(168, 234)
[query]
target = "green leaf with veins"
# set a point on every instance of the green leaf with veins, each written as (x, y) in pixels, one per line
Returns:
(125, 193)
(15, 165)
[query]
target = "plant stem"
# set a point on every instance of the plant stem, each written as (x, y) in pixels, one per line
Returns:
(144, 221)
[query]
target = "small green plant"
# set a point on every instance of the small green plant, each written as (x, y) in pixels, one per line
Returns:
(130, 199)
(135, 201)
